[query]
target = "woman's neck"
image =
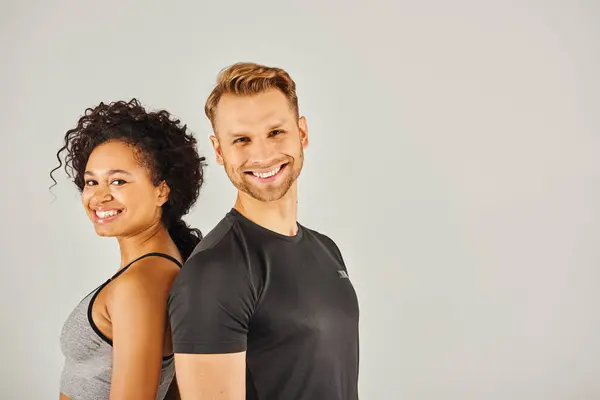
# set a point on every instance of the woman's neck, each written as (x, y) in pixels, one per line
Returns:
(152, 239)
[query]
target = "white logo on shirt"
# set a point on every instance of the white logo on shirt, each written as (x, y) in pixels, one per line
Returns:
(343, 274)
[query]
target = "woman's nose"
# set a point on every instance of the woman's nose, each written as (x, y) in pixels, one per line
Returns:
(101, 195)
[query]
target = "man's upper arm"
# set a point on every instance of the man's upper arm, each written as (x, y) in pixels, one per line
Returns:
(210, 307)
(211, 376)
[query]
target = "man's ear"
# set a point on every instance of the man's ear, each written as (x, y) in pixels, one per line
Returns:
(163, 190)
(303, 127)
(217, 148)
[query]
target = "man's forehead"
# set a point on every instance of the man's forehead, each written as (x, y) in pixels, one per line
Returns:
(240, 116)
(241, 126)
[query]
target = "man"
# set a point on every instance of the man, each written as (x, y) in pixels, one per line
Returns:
(263, 308)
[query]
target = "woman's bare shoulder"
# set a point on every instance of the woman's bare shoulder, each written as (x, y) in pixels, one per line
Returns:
(148, 276)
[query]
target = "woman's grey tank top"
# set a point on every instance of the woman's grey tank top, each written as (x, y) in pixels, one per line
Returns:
(87, 370)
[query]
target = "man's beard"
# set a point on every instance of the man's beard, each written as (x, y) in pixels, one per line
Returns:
(266, 192)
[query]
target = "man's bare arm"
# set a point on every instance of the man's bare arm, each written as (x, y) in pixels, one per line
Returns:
(211, 376)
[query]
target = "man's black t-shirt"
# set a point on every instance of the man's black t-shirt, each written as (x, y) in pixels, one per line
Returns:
(285, 300)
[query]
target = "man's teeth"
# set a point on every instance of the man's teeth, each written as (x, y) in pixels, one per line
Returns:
(106, 214)
(264, 175)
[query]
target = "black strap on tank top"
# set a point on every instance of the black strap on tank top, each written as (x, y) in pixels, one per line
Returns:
(163, 255)
(90, 305)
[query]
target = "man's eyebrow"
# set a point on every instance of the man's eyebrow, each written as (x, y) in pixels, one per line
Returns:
(271, 126)
(234, 133)
(276, 124)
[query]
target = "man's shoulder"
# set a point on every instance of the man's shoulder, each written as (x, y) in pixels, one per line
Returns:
(319, 236)
(216, 236)
(219, 248)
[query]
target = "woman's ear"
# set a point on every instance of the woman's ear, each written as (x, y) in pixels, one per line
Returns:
(163, 191)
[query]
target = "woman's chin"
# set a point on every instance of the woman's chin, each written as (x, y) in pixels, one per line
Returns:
(104, 232)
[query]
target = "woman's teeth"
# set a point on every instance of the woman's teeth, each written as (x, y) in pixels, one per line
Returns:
(106, 214)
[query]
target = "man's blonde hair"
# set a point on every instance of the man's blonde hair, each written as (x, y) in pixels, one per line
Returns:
(245, 79)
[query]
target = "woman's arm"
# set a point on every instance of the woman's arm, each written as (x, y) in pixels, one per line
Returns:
(137, 308)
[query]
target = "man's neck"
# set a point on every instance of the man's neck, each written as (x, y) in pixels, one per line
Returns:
(278, 216)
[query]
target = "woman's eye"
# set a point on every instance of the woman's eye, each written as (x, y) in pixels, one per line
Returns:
(90, 183)
(118, 182)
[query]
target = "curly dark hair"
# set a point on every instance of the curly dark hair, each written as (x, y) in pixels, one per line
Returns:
(163, 145)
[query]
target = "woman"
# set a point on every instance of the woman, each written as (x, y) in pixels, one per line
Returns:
(138, 173)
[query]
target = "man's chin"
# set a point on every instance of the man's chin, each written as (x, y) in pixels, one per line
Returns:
(266, 195)
(266, 198)
(265, 192)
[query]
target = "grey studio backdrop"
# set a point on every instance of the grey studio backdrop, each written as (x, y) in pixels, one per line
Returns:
(453, 157)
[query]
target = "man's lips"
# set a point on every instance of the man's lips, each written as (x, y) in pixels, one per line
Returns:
(267, 174)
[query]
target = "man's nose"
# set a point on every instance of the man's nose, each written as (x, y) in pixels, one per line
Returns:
(260, 151)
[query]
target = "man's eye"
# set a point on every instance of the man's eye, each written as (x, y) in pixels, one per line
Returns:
(240, 140)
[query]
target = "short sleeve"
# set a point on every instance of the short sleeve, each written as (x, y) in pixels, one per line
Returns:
(210, 305)
(333, 247)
